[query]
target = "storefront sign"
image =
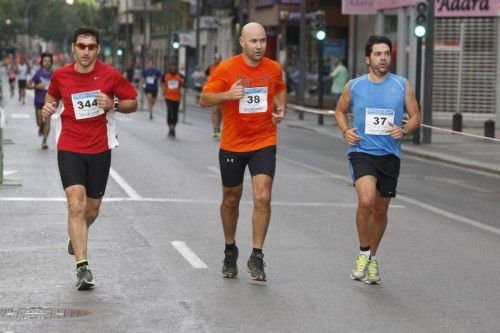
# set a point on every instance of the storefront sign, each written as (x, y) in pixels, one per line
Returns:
(463, 8)
(363, 7)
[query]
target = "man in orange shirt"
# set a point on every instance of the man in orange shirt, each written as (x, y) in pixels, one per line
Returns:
(250, 89)
(172, 82)
(216, 114)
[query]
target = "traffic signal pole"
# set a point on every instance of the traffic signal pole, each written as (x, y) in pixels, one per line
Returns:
(428, 73)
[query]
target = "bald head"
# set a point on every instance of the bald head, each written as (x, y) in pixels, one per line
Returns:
(253, 43)
(251, 29)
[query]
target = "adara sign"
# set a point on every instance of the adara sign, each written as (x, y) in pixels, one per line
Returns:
(442, 8)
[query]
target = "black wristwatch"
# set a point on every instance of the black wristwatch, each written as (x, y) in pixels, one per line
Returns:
(115, 105)
(405, 131)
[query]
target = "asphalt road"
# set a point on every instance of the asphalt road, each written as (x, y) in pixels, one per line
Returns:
(157, 247)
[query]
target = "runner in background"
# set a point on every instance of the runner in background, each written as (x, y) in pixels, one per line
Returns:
(216, 112)
(151, 76)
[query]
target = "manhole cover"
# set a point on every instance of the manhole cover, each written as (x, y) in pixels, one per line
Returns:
(40, 313)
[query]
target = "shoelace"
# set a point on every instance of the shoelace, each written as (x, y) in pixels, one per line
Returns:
(259, 263)
(373, 268)
(361, 263)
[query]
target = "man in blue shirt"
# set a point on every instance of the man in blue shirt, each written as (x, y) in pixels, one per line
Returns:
(378, 101)
(151, 75)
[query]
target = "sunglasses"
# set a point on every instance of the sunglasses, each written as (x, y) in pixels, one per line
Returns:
(83, 46)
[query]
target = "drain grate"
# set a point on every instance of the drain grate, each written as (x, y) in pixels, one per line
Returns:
(39, 313)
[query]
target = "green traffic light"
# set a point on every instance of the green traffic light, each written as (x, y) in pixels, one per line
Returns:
(119, 52)
(176, 45)
(420, 31)
(320, 35)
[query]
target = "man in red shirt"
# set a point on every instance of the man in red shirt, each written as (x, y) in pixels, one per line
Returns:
(90, 91)
(250, 89)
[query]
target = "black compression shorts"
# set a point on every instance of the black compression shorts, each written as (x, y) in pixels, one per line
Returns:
(89, 170)
(232, 164)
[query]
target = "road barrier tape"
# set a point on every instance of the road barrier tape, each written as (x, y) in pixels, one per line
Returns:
(328, 112)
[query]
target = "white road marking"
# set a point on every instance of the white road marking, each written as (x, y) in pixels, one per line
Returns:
(417, 203)
(188, 254)
(195, 201)
(214, 169)
(20, 116)
(124, 185)
(8, 172)
(310, 167)
(449, 215)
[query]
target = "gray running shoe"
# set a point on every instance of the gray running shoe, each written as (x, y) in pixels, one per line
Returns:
(255, 266)
(70, 248)
(229, 267)
(84, 278)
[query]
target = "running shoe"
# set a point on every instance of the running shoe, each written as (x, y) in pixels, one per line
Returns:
(84, 278)
(44, 144)
(70, 248)
(229, 267)
(255, 266)
(373, 277)
(150, 116)
(359, 271)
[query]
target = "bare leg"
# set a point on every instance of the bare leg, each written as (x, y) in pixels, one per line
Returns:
(378, 222)
(229, 211)
(77, 226)
(262, 187)
(366, 191)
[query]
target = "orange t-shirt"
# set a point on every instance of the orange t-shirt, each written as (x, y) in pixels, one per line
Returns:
(248, 122)
(172, 86)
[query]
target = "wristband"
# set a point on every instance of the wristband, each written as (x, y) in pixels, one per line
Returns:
(343, 133)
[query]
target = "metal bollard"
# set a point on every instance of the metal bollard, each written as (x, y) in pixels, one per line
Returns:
(320, 119)
(457, 122)
(489, 128)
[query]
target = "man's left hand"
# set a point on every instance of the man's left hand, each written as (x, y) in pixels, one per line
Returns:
(395, 132)
(278, 115)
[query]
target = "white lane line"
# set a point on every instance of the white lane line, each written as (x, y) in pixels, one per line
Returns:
(310, 167)
(20, 116)
(417, 203)
(449, 215)
(214, 169)
(124, 185)
(188, 254)
(195, 201)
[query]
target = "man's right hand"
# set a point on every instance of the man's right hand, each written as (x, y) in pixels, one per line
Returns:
(351, 136)
(49, 109)
(236, 92)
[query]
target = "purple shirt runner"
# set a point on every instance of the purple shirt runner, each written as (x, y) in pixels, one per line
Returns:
(39, 77)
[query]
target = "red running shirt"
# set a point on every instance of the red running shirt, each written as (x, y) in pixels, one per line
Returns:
(90, 130)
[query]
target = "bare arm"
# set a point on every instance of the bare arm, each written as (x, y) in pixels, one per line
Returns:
(412, 109)
(343, 106)
(236, 92)
(127, 105)
(280, 102)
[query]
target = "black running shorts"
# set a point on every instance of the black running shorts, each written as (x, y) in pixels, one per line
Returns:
(384, 168)
(89, 170)
(232, 164)
(152, 92)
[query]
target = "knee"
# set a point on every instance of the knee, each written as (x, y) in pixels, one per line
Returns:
(230, 201)
(366, 203)
(91, 214)
(76, 208)
(262, 199)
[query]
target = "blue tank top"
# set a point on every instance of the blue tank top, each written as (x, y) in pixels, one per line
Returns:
(374, 105)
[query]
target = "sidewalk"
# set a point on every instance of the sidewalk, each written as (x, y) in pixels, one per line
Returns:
(474, 153)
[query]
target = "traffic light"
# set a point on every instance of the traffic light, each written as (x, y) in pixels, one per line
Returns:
(319, 26)
(421, 18)
(119, 52)
(175, 41)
